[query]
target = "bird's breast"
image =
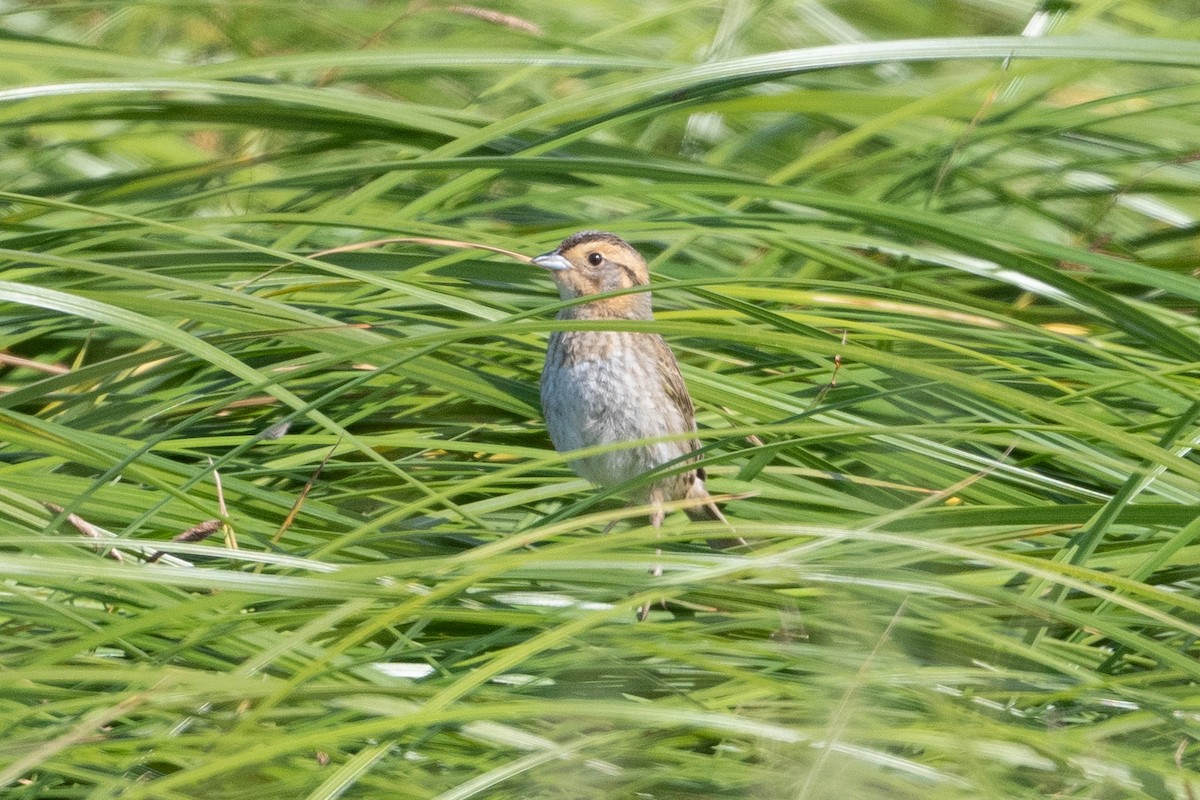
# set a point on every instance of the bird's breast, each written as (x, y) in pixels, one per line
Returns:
(606, 387)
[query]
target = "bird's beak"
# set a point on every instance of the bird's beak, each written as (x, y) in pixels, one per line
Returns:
(552, 261)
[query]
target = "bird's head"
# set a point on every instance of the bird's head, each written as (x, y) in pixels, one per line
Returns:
(593, 262)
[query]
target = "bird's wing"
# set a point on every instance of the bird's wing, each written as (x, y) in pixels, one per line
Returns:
(667, 368)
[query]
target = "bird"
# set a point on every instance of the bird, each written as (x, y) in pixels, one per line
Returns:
(613, 387)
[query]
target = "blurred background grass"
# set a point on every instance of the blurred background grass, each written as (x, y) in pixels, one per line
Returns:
(972, 567)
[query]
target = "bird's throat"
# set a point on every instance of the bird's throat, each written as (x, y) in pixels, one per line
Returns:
(629, 306)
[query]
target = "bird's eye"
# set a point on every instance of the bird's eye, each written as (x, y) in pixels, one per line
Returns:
(595, 259)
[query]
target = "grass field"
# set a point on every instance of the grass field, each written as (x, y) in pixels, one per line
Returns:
(929, 268)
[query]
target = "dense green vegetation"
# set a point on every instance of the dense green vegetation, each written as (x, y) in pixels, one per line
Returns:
(972, 568)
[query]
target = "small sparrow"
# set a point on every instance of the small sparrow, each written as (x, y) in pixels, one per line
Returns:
(608, 387)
